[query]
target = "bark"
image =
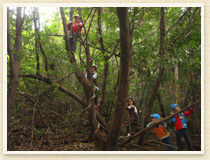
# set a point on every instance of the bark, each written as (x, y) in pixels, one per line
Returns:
(100, 28)
(185, 101)
(15, 57)
(71, 19)
(36, 41)
(176, 73)
(112, 139)
(159, 122)
(162, 108)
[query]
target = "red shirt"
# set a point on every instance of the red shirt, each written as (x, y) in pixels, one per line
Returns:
(76, 27)
(180, 121)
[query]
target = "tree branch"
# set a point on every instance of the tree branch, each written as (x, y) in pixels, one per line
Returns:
(156, 124)
(174, 41)
(178, 20)
(49, 81)
(140, 20)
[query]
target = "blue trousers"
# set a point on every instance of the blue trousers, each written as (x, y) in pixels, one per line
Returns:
(179, 134)
(170, 146)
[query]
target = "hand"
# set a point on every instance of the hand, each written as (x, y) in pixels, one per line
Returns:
(70, 22)
(171, 113)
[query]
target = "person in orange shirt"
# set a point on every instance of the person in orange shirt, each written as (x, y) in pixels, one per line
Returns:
(161, 132)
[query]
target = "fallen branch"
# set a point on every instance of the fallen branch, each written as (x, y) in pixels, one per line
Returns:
(156, 124)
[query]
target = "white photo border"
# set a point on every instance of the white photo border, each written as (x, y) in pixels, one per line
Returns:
(5, 5)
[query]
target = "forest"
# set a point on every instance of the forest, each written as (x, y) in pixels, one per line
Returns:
(68, 90)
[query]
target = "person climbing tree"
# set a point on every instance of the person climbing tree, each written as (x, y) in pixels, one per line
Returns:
(161, 132)
(94, 76)
(181, 127)
(131, 121)
(76, 31)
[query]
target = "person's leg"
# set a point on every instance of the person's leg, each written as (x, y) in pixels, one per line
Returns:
(133, 128)
(128, 132)
(187, 139)
(166, 142)
(73, 42)
(179, 140)
(170, 146)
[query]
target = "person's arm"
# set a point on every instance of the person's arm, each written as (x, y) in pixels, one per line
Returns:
(80, 24)
(135, 110)
(149, 124)
(69, 24)
(164, 124)
(128, 108)
(173, 119)
(189, 112)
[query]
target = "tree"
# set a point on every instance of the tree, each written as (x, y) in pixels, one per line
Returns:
(15, 57)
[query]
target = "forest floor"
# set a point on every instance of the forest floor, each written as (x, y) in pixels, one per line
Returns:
(49, 140)
(56, 134)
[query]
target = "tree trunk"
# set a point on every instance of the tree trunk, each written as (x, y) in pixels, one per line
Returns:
(176, 73)
(112, 139)
(161, 70)
(71, 19)
(36, 39)
(15, 57)
(162, 108)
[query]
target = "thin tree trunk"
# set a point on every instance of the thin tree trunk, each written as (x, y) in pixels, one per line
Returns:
(162, 108)
(176, 73)
(71, 19)
(185, 101)
(15, 57)
(36, 40)
(161, 70)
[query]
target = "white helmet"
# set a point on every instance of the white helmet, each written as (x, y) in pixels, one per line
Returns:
(95, 66)
(77, 15)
